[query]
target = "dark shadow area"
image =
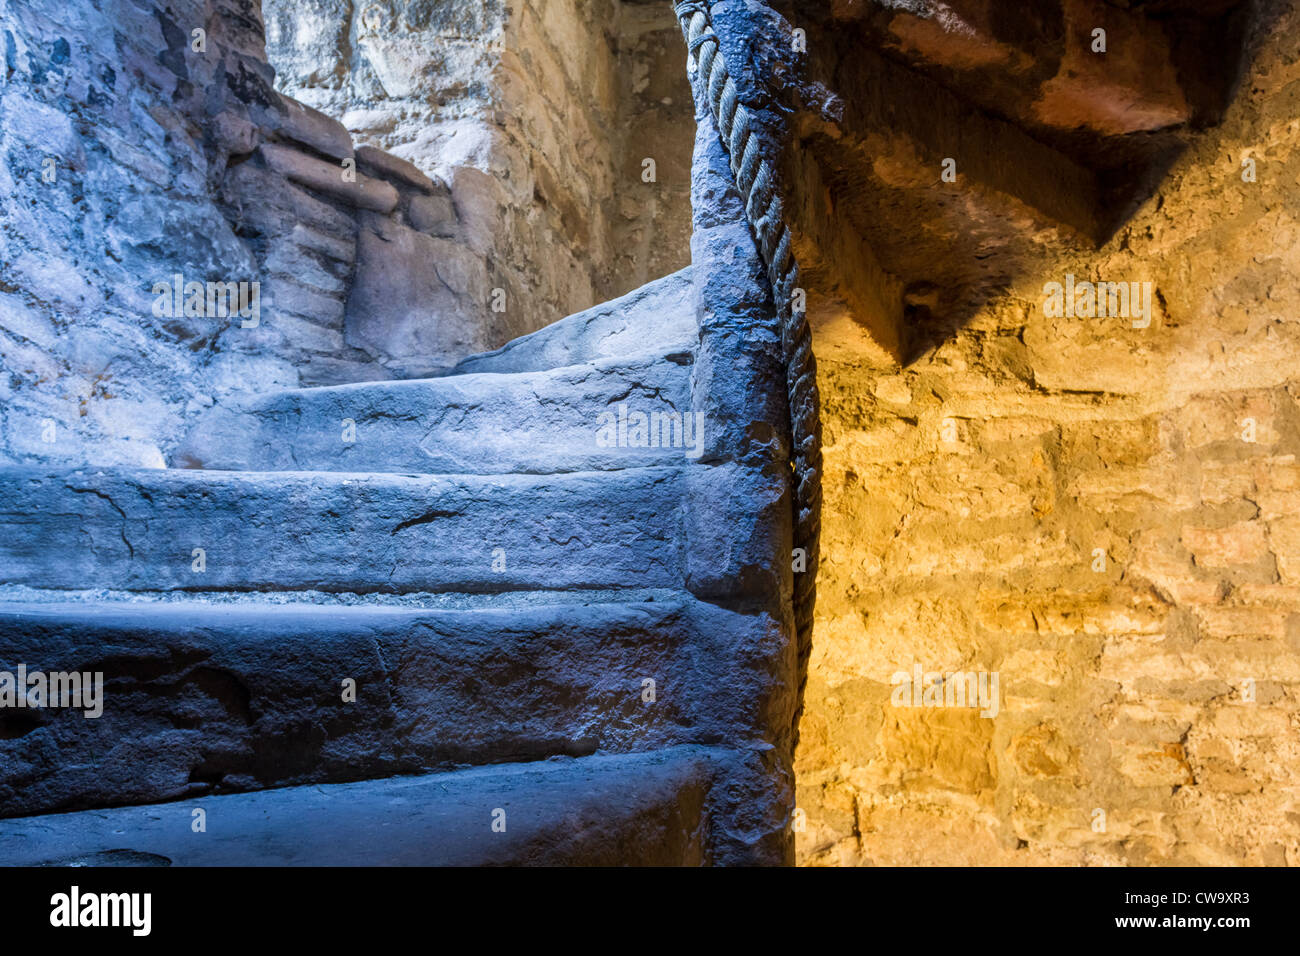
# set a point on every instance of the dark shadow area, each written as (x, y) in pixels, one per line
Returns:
(958, 152)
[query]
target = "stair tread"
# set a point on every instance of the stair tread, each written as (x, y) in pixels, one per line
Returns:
(600, 810)
(16, 598)
(662, 311)
(189, 609)
(137, 529)
(632, 359)
(537, 422)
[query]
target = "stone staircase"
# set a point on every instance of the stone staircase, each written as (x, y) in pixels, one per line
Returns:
(418, 622)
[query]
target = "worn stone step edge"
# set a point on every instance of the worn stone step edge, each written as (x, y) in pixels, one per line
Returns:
(640, 809)
(662, 311)
(185, 699)
(418, 601)
(604, 416)
(142, 529)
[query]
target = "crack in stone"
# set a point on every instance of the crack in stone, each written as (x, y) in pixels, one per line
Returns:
(99, 494)
(426, 518)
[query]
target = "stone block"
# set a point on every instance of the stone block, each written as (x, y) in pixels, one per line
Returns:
(382, 165)
(363, 192)
(1238, 544)
(432, 214)
(313, 128)
(418, 303)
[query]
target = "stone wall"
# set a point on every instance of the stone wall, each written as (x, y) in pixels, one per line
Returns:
(1103, 515)
(651, 221)
(538, 116)
(112, 152)
(136, 151)
(140, 156)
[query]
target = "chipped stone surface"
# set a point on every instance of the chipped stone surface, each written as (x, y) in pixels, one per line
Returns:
(327, 178)
(136, 529)
(206, 699)
(424, 330)
(663, 312)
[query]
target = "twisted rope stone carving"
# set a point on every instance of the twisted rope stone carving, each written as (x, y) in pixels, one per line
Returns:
(756, 180)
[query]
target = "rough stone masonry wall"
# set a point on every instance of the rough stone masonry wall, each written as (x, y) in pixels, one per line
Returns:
(1172, 449)
(130, 156)
(171, 160)
(538, 116)
(107, 182)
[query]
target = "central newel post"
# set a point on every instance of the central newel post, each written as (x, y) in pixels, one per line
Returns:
(740, 528)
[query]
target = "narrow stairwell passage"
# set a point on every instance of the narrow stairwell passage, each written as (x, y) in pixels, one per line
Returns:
(530, 606)
(430, 621)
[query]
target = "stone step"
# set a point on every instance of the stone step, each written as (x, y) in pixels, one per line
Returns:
(529, 422)
(638, 809)
(660, 314)
(164, 529)
(203, 698)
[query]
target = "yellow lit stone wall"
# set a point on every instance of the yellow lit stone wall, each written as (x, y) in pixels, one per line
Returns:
(1107, 517)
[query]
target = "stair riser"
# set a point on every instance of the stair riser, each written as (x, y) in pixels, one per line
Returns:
(240, 698)
(537, 423)
(139, 530)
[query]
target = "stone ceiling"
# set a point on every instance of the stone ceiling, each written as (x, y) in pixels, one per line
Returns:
(1052, 119)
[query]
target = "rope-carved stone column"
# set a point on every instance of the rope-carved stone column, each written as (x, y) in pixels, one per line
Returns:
(756, 180)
